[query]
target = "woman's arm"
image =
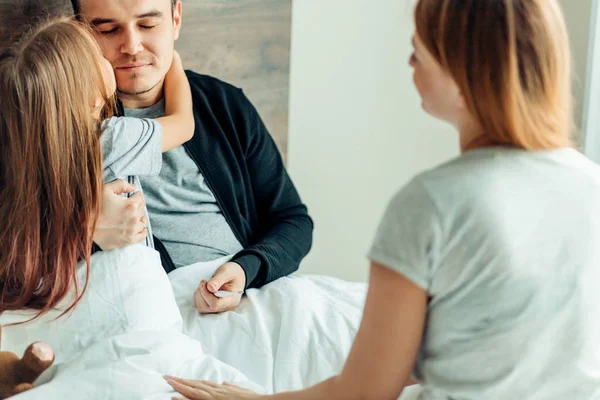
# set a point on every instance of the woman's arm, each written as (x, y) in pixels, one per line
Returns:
(382, 356)
(386, 345)
(178, 122)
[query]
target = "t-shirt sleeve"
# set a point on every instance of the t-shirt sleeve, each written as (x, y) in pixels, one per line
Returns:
(409, 235)
(131, 146)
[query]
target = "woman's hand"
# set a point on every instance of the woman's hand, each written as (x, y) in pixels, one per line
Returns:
(203, 390)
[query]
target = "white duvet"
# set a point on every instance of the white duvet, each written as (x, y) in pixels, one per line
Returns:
(136, 324)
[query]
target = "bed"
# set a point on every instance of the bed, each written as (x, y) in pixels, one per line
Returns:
(135, 323)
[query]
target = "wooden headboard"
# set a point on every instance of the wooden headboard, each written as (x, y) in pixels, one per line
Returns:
(245, 43)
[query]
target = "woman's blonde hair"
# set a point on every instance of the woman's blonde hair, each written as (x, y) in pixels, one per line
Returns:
(512, 63)
(50, 162)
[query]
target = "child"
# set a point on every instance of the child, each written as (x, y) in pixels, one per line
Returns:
(56, 146)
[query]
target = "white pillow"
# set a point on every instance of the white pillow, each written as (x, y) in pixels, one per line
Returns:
(128, 291)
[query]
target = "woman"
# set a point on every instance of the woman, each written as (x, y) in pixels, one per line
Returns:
(485, 271)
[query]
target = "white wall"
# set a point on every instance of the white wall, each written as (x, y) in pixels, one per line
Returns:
(578, 17)
(357, 132)
(590, 92)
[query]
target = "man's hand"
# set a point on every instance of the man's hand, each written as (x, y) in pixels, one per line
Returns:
(121, 221)
(230, 277)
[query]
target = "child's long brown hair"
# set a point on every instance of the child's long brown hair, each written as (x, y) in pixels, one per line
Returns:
(50, 163)
(512, 63)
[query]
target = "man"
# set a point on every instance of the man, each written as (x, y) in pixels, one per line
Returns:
(226, 191)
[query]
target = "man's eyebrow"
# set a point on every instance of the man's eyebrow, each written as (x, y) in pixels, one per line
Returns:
(149, 14)
(101, 21)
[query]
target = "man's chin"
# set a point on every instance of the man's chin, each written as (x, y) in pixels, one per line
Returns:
(137, 89)
(132, 92)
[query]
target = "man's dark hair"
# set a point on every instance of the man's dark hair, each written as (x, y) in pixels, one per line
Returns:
(77, 9)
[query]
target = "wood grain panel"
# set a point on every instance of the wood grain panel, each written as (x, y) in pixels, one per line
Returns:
(245, 43)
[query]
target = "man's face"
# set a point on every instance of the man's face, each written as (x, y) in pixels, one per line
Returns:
(137, 37)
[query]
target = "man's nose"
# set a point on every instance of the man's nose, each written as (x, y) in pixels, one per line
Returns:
(132, 42)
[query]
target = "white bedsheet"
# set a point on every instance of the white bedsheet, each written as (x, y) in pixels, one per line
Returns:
(291, 333)
(130, 329)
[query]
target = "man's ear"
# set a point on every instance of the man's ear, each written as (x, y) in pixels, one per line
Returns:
(177, 18)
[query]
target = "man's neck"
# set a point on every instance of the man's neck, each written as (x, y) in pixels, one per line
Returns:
(144, 100)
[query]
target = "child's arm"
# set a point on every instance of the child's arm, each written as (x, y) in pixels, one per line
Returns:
(133, 146)
(178, 122)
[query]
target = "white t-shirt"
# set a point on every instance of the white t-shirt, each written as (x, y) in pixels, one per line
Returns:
(507, 244)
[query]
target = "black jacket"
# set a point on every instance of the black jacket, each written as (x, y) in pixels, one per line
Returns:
(243, 167)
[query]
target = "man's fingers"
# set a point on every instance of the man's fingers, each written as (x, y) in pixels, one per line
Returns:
(209, 298)
(223, 275)
(216, 283)
(207, 303)
(119, 187)
(217, 304)
(229, 276)
(199, 302)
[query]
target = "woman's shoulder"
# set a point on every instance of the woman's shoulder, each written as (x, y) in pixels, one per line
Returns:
(504, 162)
(478, 174)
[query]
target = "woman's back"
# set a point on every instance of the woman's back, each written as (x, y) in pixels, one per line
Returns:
(508, 241)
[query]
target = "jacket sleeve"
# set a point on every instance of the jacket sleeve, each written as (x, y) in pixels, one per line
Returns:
(285, 234)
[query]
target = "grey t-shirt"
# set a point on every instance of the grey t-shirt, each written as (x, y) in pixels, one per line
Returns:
(131, 147)
(505, 242)
(184, 212)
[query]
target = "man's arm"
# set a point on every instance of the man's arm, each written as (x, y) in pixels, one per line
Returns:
(286, 235)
